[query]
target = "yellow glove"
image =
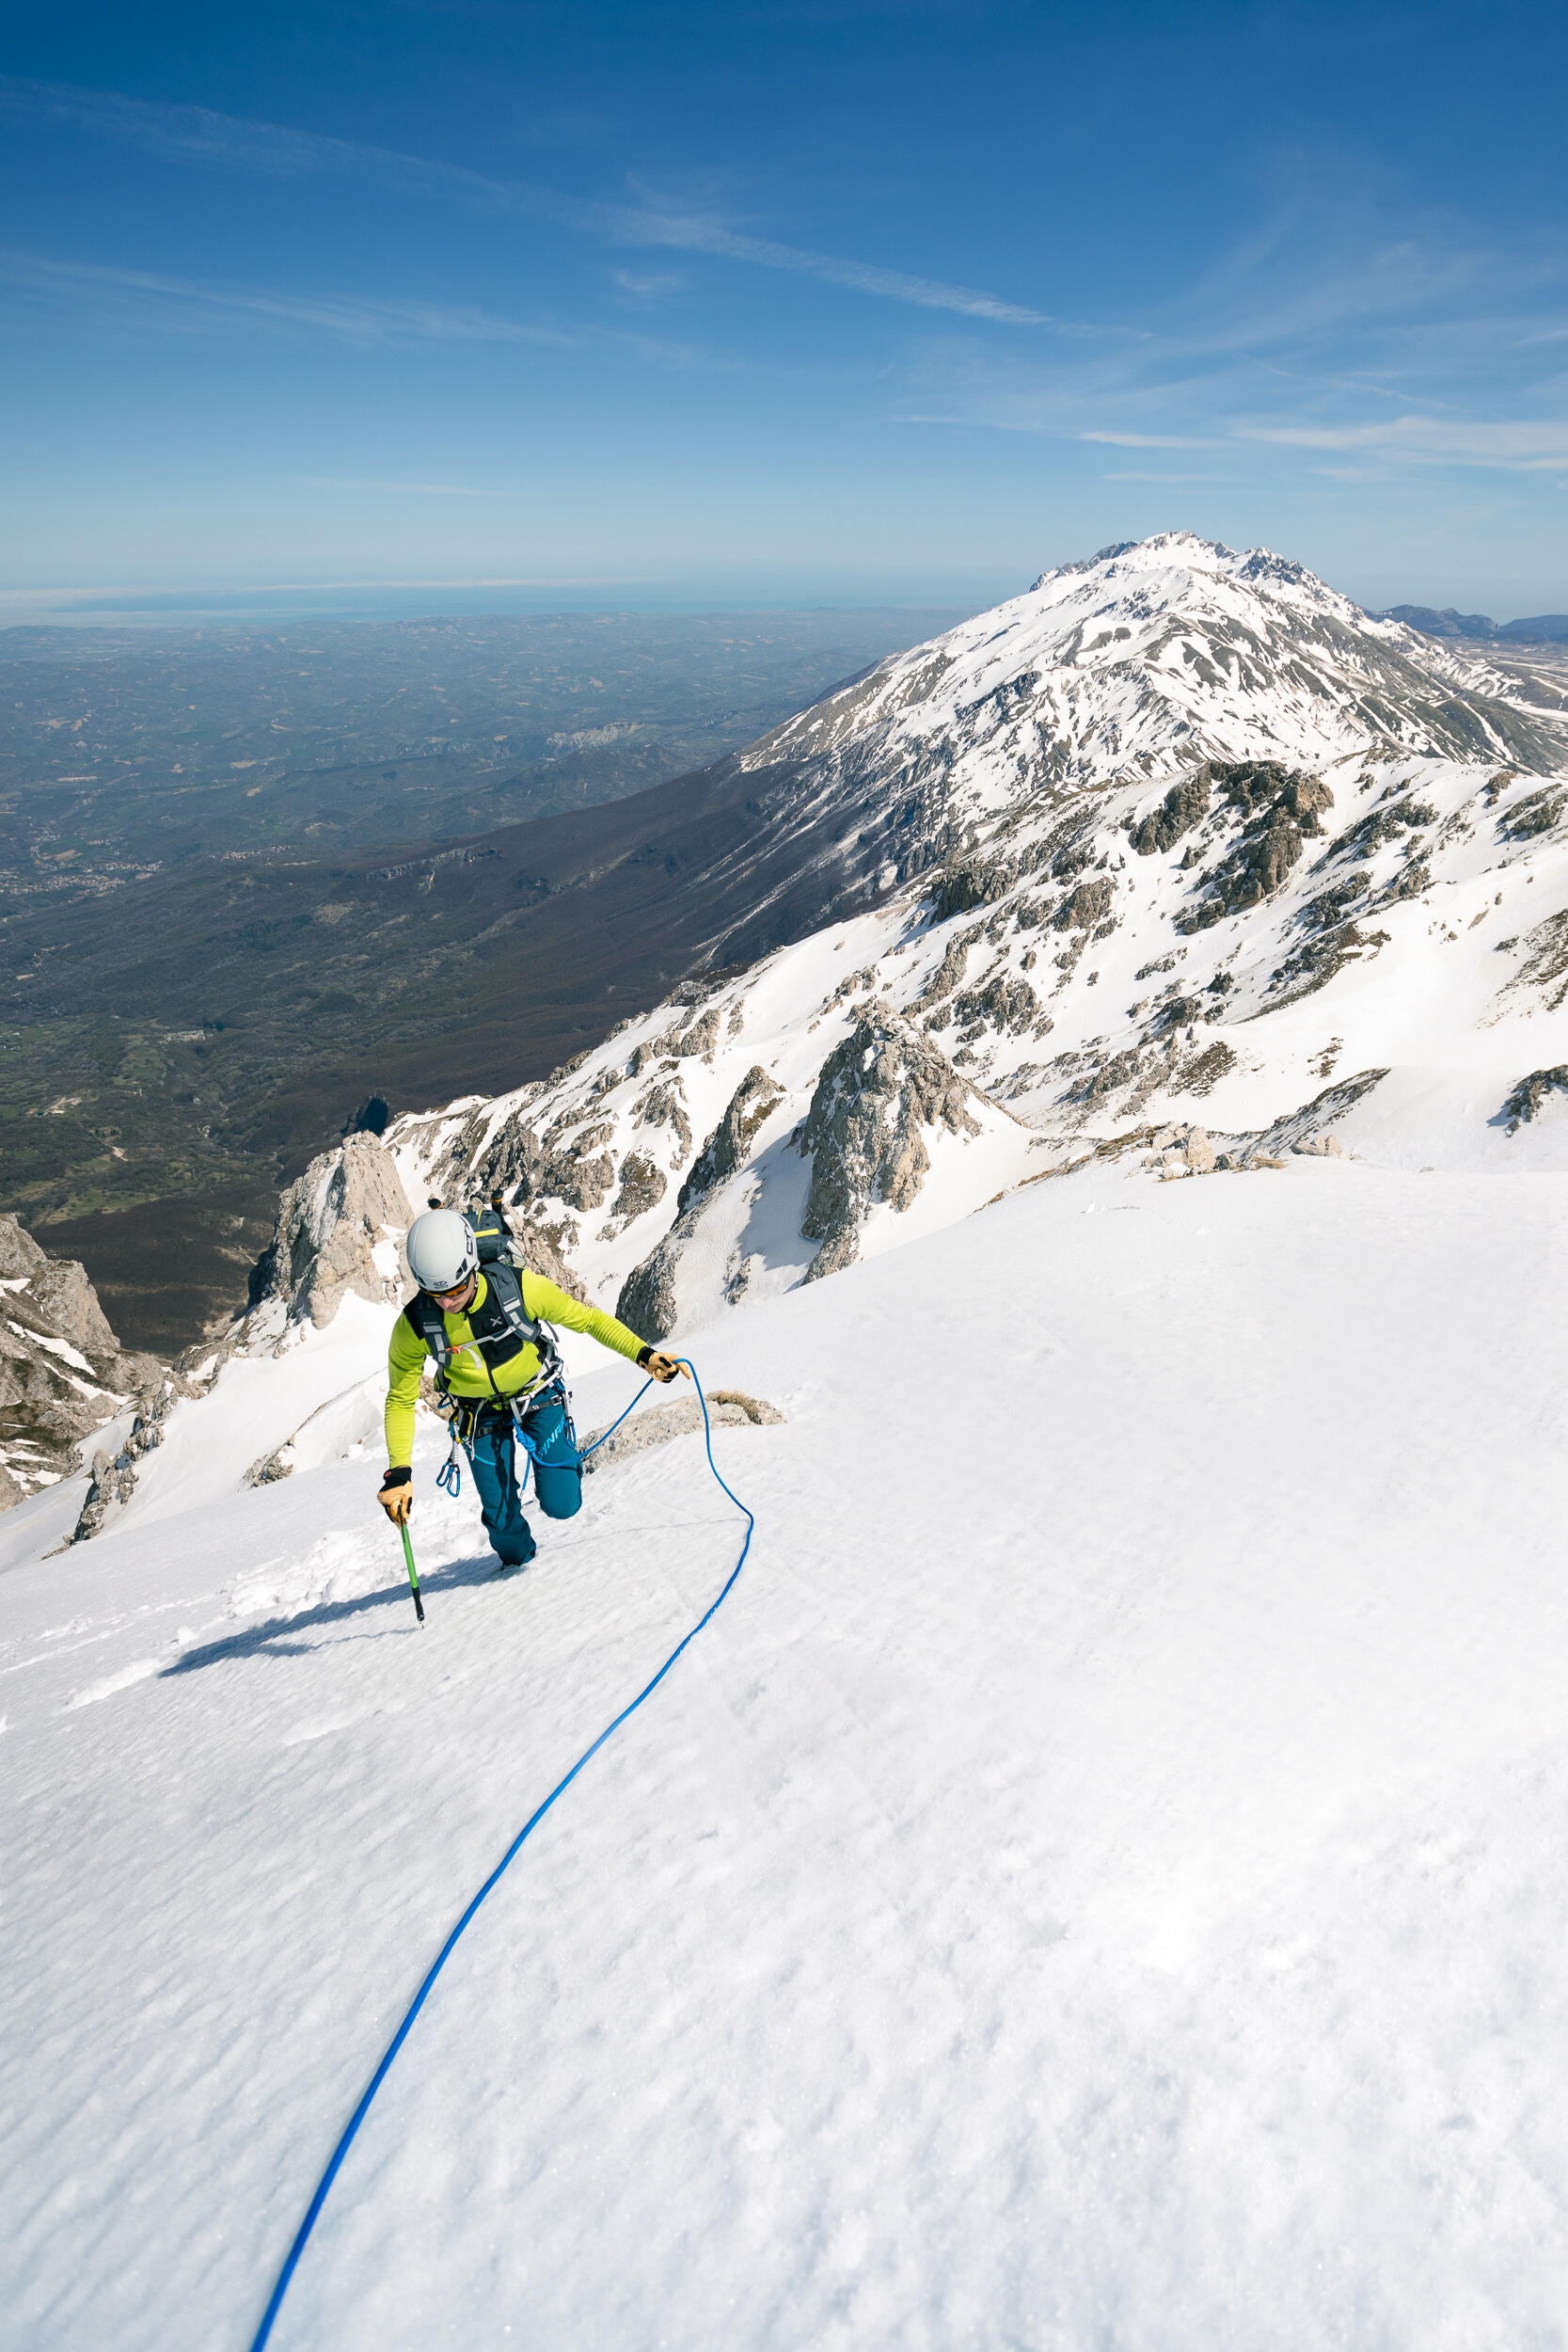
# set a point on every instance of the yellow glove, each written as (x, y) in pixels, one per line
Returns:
(662, 1367)
(396, 1496)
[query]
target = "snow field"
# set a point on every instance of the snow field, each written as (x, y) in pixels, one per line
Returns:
(1099, 1880)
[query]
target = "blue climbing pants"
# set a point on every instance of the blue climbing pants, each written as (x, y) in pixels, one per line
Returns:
(557, 1472)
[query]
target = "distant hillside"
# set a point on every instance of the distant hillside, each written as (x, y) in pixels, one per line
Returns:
(1542, 629)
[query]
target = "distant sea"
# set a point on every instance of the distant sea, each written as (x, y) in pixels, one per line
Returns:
(244, 605)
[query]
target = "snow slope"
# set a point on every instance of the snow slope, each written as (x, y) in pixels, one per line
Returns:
(1099, 1881)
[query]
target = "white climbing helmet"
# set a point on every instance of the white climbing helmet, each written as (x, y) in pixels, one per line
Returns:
(442, 1251)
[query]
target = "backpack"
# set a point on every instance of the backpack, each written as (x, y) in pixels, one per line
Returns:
(492, 1234)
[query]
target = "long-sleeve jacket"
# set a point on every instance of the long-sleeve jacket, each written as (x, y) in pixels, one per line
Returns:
(468, 1374)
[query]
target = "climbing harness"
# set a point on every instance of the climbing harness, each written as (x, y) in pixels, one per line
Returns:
(462, 1424)
(290, 2263)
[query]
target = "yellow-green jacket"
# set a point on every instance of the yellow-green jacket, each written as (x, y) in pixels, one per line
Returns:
(469, 1374)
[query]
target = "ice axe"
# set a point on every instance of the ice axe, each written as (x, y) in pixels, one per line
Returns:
(413, 1573)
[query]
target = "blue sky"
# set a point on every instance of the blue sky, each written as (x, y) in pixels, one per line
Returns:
(781, 300)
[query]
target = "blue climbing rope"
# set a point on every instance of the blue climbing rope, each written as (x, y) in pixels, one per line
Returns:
(632, 1408)
(312, 2212)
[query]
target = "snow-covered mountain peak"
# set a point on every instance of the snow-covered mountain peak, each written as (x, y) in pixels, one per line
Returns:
(1182, 565)
(1137, 664)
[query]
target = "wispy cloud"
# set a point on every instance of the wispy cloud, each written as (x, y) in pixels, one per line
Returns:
(651, 285)
(238, 143)
(403, 489)
(1145, 441)
(1320, 334)
(1168, 477)
(179, 305)
(1527, 446)
(361, 318)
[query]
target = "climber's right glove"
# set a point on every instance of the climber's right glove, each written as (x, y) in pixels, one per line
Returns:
(396, 1496)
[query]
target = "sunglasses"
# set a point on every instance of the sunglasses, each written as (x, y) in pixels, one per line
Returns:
(455, 1292)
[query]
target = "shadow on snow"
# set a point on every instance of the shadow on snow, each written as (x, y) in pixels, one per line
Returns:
(267, 1638)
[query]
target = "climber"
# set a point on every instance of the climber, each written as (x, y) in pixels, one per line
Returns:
(487, 1321)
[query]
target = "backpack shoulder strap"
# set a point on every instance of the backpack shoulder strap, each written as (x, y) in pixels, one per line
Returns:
(422, 1316)
(506, 1289)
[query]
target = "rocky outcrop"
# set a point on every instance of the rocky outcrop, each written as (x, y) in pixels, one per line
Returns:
(1321, 1148)
(1537, 813)
(1180, 809)
(701, 1037)
(539, 1249)
(949, 971)
(878, 1096)
(511, 1163)
(1090, 904)
(568, 1163)
(862, 1133)
(728, 1409)
(1005, 1002)
(644, 1185)
(340, 1227)
(662, 1106)
(334, 1224)
(582, 1177)
(1525, 1101)
(749, 1106)
(111, 1476)
(1182, 1151)
(1315, 1118)
(964, 882)
(647, 1301)
(63, 1374)
(1278, 809)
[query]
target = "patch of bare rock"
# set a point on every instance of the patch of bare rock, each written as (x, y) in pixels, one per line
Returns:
(63, 1374)
(728, 1409)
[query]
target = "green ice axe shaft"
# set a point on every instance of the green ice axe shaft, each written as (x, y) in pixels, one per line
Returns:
(413, 1577)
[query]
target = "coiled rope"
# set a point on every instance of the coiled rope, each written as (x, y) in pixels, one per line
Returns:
(290, 2264)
